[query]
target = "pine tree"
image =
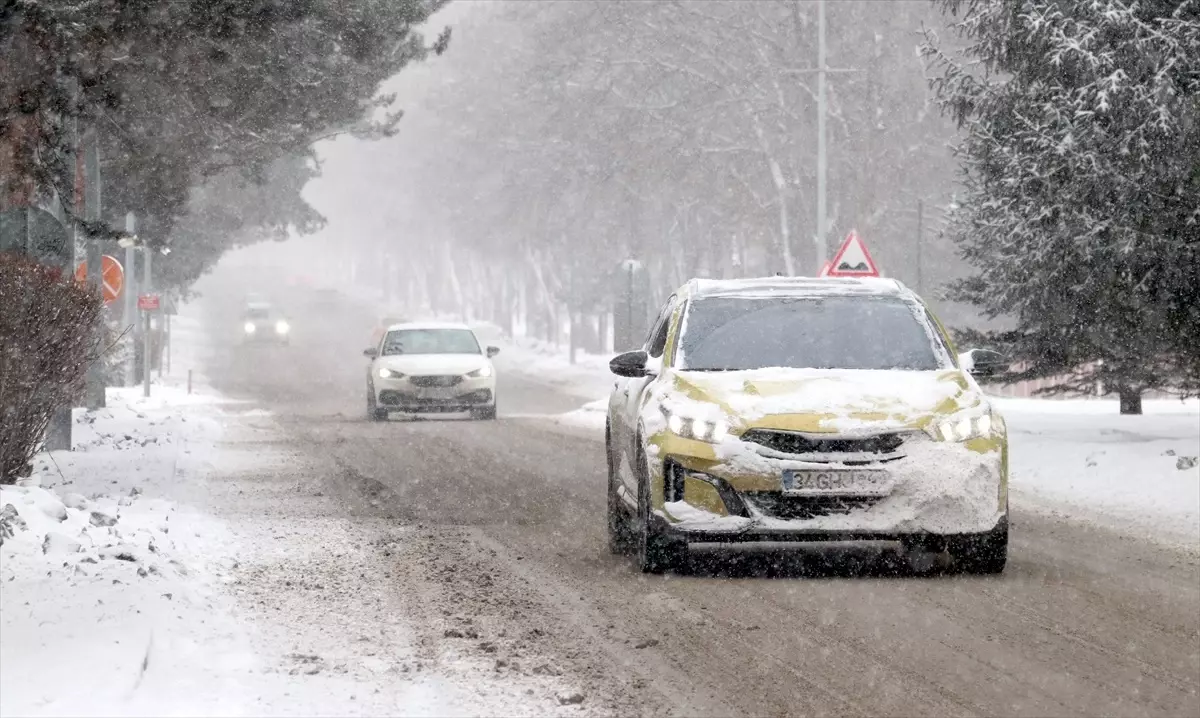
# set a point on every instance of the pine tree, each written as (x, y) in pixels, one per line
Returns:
(1081, 161)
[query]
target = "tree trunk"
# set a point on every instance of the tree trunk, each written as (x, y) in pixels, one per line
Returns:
(1131, 401)
(573, 333)
(602, 345)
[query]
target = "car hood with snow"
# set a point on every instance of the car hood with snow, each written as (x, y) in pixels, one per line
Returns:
(816, 400)
(433, 364)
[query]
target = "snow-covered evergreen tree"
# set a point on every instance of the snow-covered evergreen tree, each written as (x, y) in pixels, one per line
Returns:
(1081, 160)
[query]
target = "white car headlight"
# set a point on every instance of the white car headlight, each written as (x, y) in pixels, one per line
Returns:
(385, 373)
(481, 372)
(961, 428)
(710, 430)
(249, 327)
(281, 327)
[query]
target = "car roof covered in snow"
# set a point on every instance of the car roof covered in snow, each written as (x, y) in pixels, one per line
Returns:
(427, 325)
(797, 286)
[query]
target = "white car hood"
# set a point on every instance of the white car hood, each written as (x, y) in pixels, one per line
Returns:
(433, 364)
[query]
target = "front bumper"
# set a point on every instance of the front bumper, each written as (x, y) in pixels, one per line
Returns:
(264, 337)
(403, 395)
(734, 492)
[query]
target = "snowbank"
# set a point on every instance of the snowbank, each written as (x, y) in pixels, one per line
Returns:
(110, 602)
(547, 364)
(591, 415)
(1083, 460)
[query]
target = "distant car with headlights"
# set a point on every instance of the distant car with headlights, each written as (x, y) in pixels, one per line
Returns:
(423, 368)
(261, 324)
(802, 409)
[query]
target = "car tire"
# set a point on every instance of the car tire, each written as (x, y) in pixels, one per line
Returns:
(657, 552)
(374, 413)
(620, 523)
(487, 414)
(983, 554)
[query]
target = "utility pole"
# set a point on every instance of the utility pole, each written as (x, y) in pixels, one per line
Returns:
(59, 430)
(822, 159)
(822, 69)
(91, 211)
(147, 287)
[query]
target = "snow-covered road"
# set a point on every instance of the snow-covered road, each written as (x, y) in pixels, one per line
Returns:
(307, 561)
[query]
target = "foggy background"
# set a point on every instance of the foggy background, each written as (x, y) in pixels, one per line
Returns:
(557, 138)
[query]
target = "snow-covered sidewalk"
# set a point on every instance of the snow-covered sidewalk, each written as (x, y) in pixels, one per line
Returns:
(111, 577)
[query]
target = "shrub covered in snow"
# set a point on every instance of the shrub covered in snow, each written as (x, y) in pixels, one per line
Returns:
(45, 346)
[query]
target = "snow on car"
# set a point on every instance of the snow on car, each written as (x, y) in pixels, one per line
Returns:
(804, 409)
(420, 368)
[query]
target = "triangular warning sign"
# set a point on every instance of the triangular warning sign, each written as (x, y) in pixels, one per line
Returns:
(825, 269)
(853, 259)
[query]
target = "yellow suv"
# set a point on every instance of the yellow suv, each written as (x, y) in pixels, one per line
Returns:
(801, 409)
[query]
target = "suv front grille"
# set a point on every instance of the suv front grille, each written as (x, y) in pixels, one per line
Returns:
(782, 506)
(435, 381)
(787, 442)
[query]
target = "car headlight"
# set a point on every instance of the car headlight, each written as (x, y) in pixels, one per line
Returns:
(385, 373)
(962, 428)
(709, 430)
(249, 327)
(281, 327)
(480, 373)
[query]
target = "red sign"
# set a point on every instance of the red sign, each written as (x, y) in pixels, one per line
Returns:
(112, 276)
(148, 302)
(853, 259)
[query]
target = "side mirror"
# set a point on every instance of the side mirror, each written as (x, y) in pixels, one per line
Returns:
(371, 353)
(983, 362)
(492, 351)
(631, 365)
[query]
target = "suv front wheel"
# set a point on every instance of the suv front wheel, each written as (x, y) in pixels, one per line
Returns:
(657, 551)
(374, 413)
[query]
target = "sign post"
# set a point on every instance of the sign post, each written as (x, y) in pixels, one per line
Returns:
(147, 303)
(129, 314)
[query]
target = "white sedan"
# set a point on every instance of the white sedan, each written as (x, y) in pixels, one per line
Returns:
(421, 368)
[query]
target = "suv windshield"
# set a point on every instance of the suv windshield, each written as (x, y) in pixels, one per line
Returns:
(430, 341)
(736, 333)
(258, 313)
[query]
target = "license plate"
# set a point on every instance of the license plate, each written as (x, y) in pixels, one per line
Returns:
(432, 394)
(833, 482)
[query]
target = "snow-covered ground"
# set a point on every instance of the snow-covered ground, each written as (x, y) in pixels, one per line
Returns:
(1079, 459)
(587, 378)
(166, 567)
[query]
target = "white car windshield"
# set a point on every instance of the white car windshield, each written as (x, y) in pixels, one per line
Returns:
(430, 341)
(740, 333)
